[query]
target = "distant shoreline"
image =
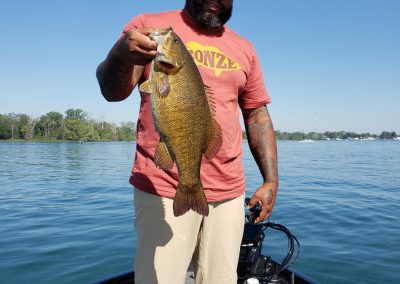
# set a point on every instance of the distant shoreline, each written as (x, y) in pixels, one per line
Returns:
(76, 126)
(113, 141)
(58, 141)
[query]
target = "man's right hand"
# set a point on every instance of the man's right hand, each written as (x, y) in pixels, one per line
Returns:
(136, 47)
(119, 74)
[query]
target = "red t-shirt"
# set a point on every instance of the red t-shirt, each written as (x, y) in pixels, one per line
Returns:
(229, 65)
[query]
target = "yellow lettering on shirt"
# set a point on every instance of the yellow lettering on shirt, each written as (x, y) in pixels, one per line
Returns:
(211, 58)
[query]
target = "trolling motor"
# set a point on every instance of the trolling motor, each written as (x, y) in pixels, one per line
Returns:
(254, 267)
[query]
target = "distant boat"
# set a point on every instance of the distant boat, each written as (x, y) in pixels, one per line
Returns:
(397, 138)
(306, 141)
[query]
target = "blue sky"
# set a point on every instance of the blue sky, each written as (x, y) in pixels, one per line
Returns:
(328, 65)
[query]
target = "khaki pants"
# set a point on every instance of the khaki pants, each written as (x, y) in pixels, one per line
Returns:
(166, 244)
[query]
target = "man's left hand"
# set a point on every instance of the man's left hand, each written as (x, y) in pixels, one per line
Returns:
(266, 195)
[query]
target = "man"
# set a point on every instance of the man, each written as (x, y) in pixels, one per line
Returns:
(229, 65)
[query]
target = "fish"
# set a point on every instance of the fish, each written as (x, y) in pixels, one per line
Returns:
(183, 111)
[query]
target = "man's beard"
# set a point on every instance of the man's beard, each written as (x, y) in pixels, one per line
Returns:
(207, 19)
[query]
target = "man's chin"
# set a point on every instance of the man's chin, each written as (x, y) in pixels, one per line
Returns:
(209, 16)
(211, 20)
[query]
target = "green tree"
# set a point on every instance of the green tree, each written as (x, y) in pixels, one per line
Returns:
(387, 135)
(12, 121)
(78, 130)
(77, 127)
(126, 132)
(297, 136)
(50, 125)
(5, 129)
(107, 131)
(27, 126)
(75, 114)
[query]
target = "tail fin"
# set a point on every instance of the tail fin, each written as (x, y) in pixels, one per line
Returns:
(194, 199)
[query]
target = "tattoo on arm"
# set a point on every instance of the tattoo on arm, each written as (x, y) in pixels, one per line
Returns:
(261, 138)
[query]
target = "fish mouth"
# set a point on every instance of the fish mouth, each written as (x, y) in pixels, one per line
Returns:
(167, 65)
(163, 61)
(167, 58)
(161, 57)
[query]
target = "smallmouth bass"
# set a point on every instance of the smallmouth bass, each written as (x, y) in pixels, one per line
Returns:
(183, 114)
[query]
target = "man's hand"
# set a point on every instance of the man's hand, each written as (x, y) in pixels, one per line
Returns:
(136, 47)
(266, 195)
(119, 74)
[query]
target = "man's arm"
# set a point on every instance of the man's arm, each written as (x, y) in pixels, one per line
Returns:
(261, 138)
(119, 73)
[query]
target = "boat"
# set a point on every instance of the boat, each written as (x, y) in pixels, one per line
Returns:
(253, 267)
(287, 276)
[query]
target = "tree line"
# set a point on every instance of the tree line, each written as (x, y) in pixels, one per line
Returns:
(76, 125)
(342, 135)
(73, 125)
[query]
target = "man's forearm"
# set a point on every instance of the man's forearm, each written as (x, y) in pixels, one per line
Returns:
(261, 138)
(115, 78)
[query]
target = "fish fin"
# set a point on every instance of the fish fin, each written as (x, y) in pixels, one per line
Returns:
(145, 87)
(186, 199)
(215, 142)
(210, 99)
(162, 157)
(163, 87)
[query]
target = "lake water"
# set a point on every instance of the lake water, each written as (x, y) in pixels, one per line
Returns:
(66, 213)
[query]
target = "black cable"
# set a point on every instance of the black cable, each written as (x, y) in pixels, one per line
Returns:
(286, 262)
(291, 239)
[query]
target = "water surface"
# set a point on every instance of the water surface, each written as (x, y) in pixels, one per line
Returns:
(67, 217)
